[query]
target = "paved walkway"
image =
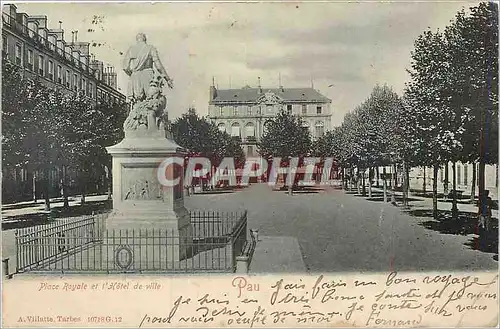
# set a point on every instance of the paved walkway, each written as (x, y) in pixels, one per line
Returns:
(338, 231)
(277, 254)
(331, 230)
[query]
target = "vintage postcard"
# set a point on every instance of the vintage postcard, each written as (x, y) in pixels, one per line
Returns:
(249, 164)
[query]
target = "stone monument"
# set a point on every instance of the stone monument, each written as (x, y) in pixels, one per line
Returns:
(140, 202)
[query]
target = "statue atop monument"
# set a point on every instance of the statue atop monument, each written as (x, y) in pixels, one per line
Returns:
(147, 76)
(139, 64)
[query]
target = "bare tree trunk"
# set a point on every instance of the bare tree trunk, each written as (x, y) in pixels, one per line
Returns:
(46, 188)
(445, 183)
(378, 176)
(434, 192)
(64, 187)
(405, 185)
(481, 186)
(363, 181)
(393, 184)
(358, 182)
(83, 183)
(370, 182)
(34, 186)
(424, 185)
(454, 208)
(385, 184)
(473, 184)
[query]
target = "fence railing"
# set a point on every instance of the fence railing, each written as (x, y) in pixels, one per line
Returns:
(211, 243)
(43, 244)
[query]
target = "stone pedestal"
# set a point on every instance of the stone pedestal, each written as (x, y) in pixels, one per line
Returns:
(149, 224)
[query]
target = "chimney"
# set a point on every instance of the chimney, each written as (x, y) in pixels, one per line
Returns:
(60, 25)
(76, 36)
(260, 87)
(213, 90)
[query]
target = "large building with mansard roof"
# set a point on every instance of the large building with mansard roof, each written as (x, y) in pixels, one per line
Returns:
(243, 113)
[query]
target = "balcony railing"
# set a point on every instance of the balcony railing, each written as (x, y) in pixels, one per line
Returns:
(11, 23)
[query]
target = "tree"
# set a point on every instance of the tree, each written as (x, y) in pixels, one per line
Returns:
(454, 90)
(45, 129)
(473, 40)
(285, 137)
(202, 138)
(428, 96)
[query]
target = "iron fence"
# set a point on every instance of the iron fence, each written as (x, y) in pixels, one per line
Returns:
(39, 245)
(210, 243)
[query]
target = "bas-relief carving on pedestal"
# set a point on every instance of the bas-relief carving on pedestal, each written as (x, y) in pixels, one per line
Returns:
(137, 186)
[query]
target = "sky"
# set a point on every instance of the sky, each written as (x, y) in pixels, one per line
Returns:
(342, 49)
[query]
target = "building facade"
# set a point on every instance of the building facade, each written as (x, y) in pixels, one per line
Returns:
(43, 52)
(243, 113)
(464, 178)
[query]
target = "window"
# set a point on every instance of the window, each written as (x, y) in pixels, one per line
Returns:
(30, 59)
(91, 90)
(235, 130)
(259, 110)
(221, 111)
(250, 131)
(289, 109)
(250, 150)
(67, 81)
(466, 169)
(19, 54)
(305, 124)
(320, 128)
(80, 84)
(75, 79)
(235, 110)
(51, 70)
(304, 109)
(249, 110)
(41, 65)
(99, 94)
(318, 109)
(269, 109)
(222, 127)
(59, 74)
(85, 87)
(5, 45)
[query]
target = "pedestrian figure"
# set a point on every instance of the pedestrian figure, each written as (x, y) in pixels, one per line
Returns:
(485, 220)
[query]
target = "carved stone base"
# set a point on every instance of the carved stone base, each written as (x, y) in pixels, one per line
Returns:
(148, 241)
(149, 223)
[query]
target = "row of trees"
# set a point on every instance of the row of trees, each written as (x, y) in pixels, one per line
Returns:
(202, 138)
(448, 112)
(285, 136)
(44, 128)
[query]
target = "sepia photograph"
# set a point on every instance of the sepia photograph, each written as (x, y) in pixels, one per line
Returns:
(231, 140)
